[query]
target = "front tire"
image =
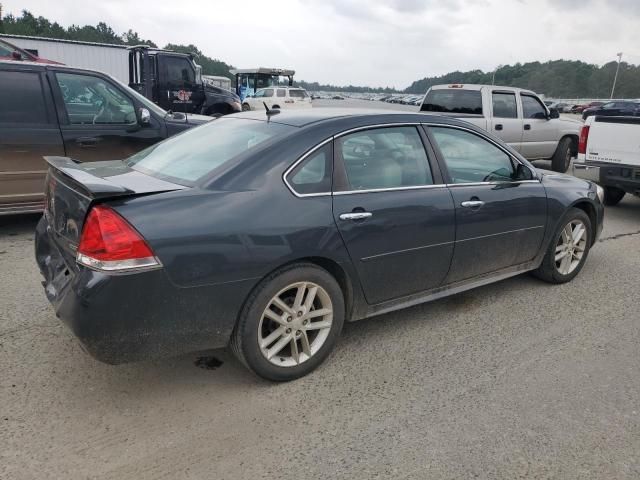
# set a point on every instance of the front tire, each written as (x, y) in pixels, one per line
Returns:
(290, 323)
(568, 250)
(613, 195)
(246, 107)
(562, 157)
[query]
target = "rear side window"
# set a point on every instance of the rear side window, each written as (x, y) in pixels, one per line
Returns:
(453, 100)
(298, 93)
(504, 105)
(313, 174)
(384, 158)
(193, 154)
(21, 98)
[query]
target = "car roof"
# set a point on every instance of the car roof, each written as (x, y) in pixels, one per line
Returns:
(478, 86)
(305, 117)
(31, 65)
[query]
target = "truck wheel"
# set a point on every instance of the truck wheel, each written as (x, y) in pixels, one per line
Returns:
(568, 250)
(613, 195)
(562, 158)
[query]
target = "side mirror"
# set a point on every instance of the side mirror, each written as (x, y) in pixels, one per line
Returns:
(554, 113)
(523, 173)
(145, 116)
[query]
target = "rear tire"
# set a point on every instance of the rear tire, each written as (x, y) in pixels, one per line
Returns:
(566, 256)
(613, 195)
(280, 335)
(562, 157)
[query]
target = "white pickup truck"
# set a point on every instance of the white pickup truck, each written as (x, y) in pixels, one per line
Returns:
(609, 154)
(517, 116)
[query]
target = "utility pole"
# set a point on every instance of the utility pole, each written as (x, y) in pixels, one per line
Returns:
(615, 78)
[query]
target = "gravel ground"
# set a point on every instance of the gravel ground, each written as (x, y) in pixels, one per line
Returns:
(518, 379)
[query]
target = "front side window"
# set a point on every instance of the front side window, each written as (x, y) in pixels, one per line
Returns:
(384, 158)
(268, 92)
(313, 174)
(282, 92)
(179, 71)
(21, 98)
(259, 94)
(93, 100)
(504, 105)
(190, 156)
(471, 159)
(532, 108)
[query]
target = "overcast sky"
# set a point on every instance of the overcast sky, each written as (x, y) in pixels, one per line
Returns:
(368, 42)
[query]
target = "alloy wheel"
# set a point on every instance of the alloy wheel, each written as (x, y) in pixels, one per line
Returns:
(295, 324)
(570, 247)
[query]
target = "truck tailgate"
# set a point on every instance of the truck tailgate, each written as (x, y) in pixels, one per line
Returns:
(614, 140)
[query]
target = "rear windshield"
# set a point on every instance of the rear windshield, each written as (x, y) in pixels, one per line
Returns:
(298, 93)
(192, 155)
(453, 101)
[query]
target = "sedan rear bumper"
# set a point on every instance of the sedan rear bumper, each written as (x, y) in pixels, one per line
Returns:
(125, 318)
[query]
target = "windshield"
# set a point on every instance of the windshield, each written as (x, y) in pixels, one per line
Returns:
(192, 155)
(453, 101)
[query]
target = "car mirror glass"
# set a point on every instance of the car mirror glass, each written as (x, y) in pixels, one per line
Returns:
(145, 116)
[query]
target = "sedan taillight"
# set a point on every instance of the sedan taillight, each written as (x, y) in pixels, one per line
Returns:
(109, 243)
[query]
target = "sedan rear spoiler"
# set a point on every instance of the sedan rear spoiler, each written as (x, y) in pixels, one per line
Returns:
(95, 186)
(107, 179)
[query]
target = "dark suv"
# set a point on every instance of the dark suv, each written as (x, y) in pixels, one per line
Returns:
(57, 110)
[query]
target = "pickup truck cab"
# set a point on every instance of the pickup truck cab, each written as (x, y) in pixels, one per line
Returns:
(609, 155)
(57, 110)
(515, 115)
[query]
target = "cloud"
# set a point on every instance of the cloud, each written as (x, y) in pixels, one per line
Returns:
(369, 42)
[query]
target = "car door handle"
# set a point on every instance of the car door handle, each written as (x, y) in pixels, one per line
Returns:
(87, 141)
(527, 127)
(499, 126)
(472, 203)
(355, 215)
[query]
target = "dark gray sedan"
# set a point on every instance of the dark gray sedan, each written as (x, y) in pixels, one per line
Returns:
(267, 231)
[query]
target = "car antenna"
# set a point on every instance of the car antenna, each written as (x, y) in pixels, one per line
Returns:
(270, 111)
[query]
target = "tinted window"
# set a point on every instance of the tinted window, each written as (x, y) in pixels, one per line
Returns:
(268, 92)
(470, 158)
(532, 108)
(21, 98)
(190, 156)
(179, 71)
(93, 100)
(282, 92)
(313, 174)
(504, 105)
(298, 93)
(452, 100)
(384, 158)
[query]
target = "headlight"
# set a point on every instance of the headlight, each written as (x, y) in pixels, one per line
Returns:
(600, 192)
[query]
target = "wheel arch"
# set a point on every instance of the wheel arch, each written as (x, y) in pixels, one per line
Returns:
(588, 208)
(336, 270)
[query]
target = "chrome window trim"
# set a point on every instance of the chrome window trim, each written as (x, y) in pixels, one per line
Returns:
(393, 189)
(296, 163)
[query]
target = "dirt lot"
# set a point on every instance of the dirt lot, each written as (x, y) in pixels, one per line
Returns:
(517, 379)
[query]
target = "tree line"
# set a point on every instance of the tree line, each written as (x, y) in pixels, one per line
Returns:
(557, 78)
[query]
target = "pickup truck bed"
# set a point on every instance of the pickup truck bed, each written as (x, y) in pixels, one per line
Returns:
(609, 154)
